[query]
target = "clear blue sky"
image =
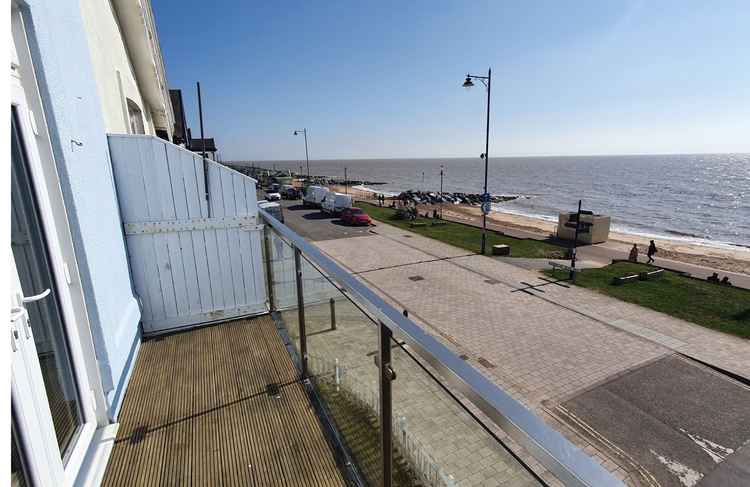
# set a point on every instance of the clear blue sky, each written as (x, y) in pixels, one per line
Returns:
(383, 79)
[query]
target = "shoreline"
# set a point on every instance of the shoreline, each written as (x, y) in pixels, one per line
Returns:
(720, 258)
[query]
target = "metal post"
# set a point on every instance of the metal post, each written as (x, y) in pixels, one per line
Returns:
(386, 404)
(441, 192)
(575, 245)
(486, 157)
(269, 267)
(307, 157)
(333, 314)
(346, 183)
(203, 152)
(301, 311)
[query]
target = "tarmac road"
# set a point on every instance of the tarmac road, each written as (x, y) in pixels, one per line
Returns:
(679, 420)
(315, 225)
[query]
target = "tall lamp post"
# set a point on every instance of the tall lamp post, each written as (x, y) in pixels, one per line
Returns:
(441, 191)
(307, 158)
(468, 83)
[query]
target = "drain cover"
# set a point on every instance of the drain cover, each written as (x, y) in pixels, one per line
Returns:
(273, 390)
(416, 278)
(486, 363)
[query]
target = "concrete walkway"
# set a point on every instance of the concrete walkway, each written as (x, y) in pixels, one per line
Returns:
(543, 346)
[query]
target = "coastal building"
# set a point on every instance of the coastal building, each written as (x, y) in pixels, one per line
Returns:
(128, 67)
(183, 135)
(180, 135)
(163, 328)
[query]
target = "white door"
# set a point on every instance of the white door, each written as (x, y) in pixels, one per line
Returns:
(50, 395)
(52, 401)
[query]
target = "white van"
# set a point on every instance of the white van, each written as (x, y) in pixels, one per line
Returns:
(335, 203)
(314, 196)
(273, 208)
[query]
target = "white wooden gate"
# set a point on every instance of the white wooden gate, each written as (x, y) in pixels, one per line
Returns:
(189, 267)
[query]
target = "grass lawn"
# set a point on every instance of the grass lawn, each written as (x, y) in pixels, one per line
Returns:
(722, 308)
(467, 237)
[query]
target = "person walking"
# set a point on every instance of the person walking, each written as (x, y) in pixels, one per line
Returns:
(633, 257)
(651, 251)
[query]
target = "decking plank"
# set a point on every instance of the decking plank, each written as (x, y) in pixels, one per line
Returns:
(197, 413)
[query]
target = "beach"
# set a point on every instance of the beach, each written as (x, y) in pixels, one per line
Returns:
(718, 257)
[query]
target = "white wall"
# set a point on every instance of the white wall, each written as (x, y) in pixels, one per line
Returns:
(73, 111)
(108, 57)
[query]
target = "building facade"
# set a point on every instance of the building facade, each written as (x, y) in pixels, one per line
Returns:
(128, 67)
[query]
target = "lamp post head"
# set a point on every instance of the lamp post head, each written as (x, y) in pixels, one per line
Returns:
(295, 132)
(468, 83)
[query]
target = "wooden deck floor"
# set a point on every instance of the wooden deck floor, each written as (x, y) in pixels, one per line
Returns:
(197, 413)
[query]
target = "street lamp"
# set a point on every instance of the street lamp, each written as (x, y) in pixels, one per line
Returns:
(468, 83)
(307, 158)
(441, 191)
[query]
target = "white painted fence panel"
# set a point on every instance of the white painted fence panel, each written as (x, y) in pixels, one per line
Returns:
(193, 260)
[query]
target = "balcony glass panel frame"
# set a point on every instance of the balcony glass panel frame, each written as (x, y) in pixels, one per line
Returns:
(550, 448)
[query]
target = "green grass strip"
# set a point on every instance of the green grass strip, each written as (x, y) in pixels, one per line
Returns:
(465, 236)
(707, 304)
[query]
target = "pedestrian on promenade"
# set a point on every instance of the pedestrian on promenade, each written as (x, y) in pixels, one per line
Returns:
(713, 278)
(725, 281)
(651, 251)
(633, 257)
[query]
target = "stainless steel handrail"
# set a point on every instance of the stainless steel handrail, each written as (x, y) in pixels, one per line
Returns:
(550, 448)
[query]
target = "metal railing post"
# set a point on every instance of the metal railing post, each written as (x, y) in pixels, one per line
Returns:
(333, 314)
(386, 404)
(269, 267)
(301, 311)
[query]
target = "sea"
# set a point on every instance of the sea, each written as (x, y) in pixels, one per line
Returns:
(696, 198)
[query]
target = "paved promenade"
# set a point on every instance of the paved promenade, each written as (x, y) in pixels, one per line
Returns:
(544, 345)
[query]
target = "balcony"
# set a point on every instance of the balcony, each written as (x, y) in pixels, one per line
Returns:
(220, 404)
(333, 387)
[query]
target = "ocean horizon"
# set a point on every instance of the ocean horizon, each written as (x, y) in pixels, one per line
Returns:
(696, 198)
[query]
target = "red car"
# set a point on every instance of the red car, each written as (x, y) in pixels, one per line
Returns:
(355, 216)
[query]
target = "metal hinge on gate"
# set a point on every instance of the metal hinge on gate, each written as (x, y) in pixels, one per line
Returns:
(142, 228)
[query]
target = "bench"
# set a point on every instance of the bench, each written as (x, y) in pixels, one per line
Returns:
(417, 224)
(501, 249)
(641, 276)
(439, 222)
(562, 267)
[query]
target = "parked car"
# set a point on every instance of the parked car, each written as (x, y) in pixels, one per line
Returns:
(273, 197)
(314, 196)
(273, 208)
(289, 192)
(335, 203)
(273, 188)
(355, 216)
